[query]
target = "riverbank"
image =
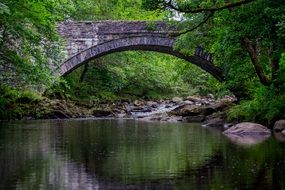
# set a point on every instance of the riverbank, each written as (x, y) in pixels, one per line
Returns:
(188, 109)
(192, 109)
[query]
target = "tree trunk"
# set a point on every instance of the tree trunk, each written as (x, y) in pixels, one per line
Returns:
(252, 50)
(85, 69)
(274, 68)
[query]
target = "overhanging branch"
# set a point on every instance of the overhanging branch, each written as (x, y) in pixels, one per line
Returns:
(169, 4)
(195, 27)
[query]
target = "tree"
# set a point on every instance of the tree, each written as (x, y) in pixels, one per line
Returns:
(28, 40)
(255, 27)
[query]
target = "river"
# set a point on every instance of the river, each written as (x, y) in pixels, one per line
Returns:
(130, 154)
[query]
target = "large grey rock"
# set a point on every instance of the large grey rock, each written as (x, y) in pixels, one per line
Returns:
(280, 136)
(279, 125)
(247, 140)
(248, 128)
(247, 133)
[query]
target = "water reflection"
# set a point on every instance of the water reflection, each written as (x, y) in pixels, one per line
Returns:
(247, 140)
(127, 154)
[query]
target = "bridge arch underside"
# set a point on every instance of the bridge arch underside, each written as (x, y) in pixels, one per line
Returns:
(146, 43)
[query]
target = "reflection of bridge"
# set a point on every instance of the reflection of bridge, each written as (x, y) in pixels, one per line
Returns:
(89, 40)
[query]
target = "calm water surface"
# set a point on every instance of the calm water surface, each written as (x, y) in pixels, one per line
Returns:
(128, 154)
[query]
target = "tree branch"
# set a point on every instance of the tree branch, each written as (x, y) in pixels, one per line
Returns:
(195, 27)
(3, 38)
(170, 5)
(252, 51)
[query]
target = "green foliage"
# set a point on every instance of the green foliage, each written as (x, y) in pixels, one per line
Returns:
(27, 41)
(113, 10)
(266, 107)
(150, 4)
(224, 34)
(151, 26)
(201, 82)
(11, 99)
(267, 104)
(132, 74)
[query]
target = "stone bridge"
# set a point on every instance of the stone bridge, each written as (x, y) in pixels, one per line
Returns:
(91, 40)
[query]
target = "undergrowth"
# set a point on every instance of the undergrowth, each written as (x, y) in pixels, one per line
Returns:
(266, 107)
(11, 100)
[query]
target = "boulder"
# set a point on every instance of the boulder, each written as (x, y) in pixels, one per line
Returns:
(139, 103)
(217, 119)
(57, 114)
(193, 99)
(192, 110)
(247, 128)
(279, 126)
(151, 104)
(177, 100)
(154, 117)
(121, 115)
(198, 118)
(102, 113)
(210, 96)
(221, 106)
(247, 133)
(280, 136)
(172, 119)
(214, 122)
(247, 140)
(188, 102)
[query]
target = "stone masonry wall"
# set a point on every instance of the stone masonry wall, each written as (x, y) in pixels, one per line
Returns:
(83, 35)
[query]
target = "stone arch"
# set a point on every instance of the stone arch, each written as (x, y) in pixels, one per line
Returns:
(147, 43)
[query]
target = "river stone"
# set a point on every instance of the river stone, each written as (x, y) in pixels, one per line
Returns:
(247, 140)
(193, 99)
(247, 128)
(279, 126)
(102, 112)
(177, 100)
(214, 122)
(172, 119)
(221, 106)
(210, 96)
(138, 103)
(154, 117)
(191, 110)
(188, 102)
(151, 103)
(279, 136)
(247, 133)
(198, 118)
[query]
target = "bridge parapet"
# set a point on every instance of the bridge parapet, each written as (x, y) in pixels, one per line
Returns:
(83, 35)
